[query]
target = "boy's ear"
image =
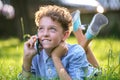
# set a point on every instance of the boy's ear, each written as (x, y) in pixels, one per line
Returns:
(66, 35)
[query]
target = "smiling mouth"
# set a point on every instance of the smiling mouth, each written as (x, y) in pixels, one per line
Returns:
(45, 41)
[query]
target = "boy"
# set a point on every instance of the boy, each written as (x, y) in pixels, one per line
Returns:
(56, 59)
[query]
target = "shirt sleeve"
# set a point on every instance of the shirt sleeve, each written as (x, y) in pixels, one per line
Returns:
(78, 64)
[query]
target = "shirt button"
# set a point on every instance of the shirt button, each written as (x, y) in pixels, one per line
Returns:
(49, 71)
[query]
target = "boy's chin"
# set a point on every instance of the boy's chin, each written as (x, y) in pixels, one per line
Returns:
(47, 47)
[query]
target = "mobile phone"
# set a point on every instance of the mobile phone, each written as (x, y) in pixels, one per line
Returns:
(38, 46)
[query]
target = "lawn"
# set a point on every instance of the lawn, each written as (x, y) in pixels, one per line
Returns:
(107, 52)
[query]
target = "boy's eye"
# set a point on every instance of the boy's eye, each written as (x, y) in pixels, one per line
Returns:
(53, 29)
(40, 29)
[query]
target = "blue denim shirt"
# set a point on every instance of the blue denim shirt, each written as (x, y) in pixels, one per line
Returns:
(75, 63)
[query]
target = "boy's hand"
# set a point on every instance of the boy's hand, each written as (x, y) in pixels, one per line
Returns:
(60, 51)
(29, 49)
(29, 52)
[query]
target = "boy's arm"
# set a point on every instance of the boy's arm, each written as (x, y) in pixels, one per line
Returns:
(29, 53)
(78, 64)
(56, 56)
(63, 75)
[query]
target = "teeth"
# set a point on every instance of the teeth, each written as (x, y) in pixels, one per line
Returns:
(45, 41)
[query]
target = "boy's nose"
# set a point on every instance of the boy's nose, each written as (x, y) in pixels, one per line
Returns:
(45, 32)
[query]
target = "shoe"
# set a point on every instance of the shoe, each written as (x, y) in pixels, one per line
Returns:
(76, 20)
(98, 22)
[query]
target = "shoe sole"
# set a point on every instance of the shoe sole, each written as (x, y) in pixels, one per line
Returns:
(98, 22)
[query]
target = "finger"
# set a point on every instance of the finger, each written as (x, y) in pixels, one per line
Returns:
(34, 38)
(26, 45)
(31, 41)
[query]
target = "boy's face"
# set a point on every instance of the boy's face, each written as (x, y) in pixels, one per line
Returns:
(50, 33)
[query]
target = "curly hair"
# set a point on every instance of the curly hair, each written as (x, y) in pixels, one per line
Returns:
(56, 13)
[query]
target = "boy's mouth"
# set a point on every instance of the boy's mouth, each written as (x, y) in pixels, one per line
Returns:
(45, 41)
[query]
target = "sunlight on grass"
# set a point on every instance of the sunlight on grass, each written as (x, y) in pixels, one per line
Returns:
(9, 69)
(10, 58)
(71, 40)
(104, 48)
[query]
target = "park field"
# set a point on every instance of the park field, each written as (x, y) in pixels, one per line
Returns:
(106, 51)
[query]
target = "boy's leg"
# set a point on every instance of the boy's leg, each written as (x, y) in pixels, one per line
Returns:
(82, 39)
(91, 58)
(78, 31)
(98, 22)
(84, 43)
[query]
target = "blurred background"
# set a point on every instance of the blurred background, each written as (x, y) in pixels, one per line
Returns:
(17, 16)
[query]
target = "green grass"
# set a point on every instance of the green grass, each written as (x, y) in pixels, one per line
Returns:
(107, 52)
(11, 51)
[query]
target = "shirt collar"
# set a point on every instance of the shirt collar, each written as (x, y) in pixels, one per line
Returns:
(45, 56)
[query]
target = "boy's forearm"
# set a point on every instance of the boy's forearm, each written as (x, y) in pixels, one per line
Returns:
(63, 75)
(26, 69)
(27, 62)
